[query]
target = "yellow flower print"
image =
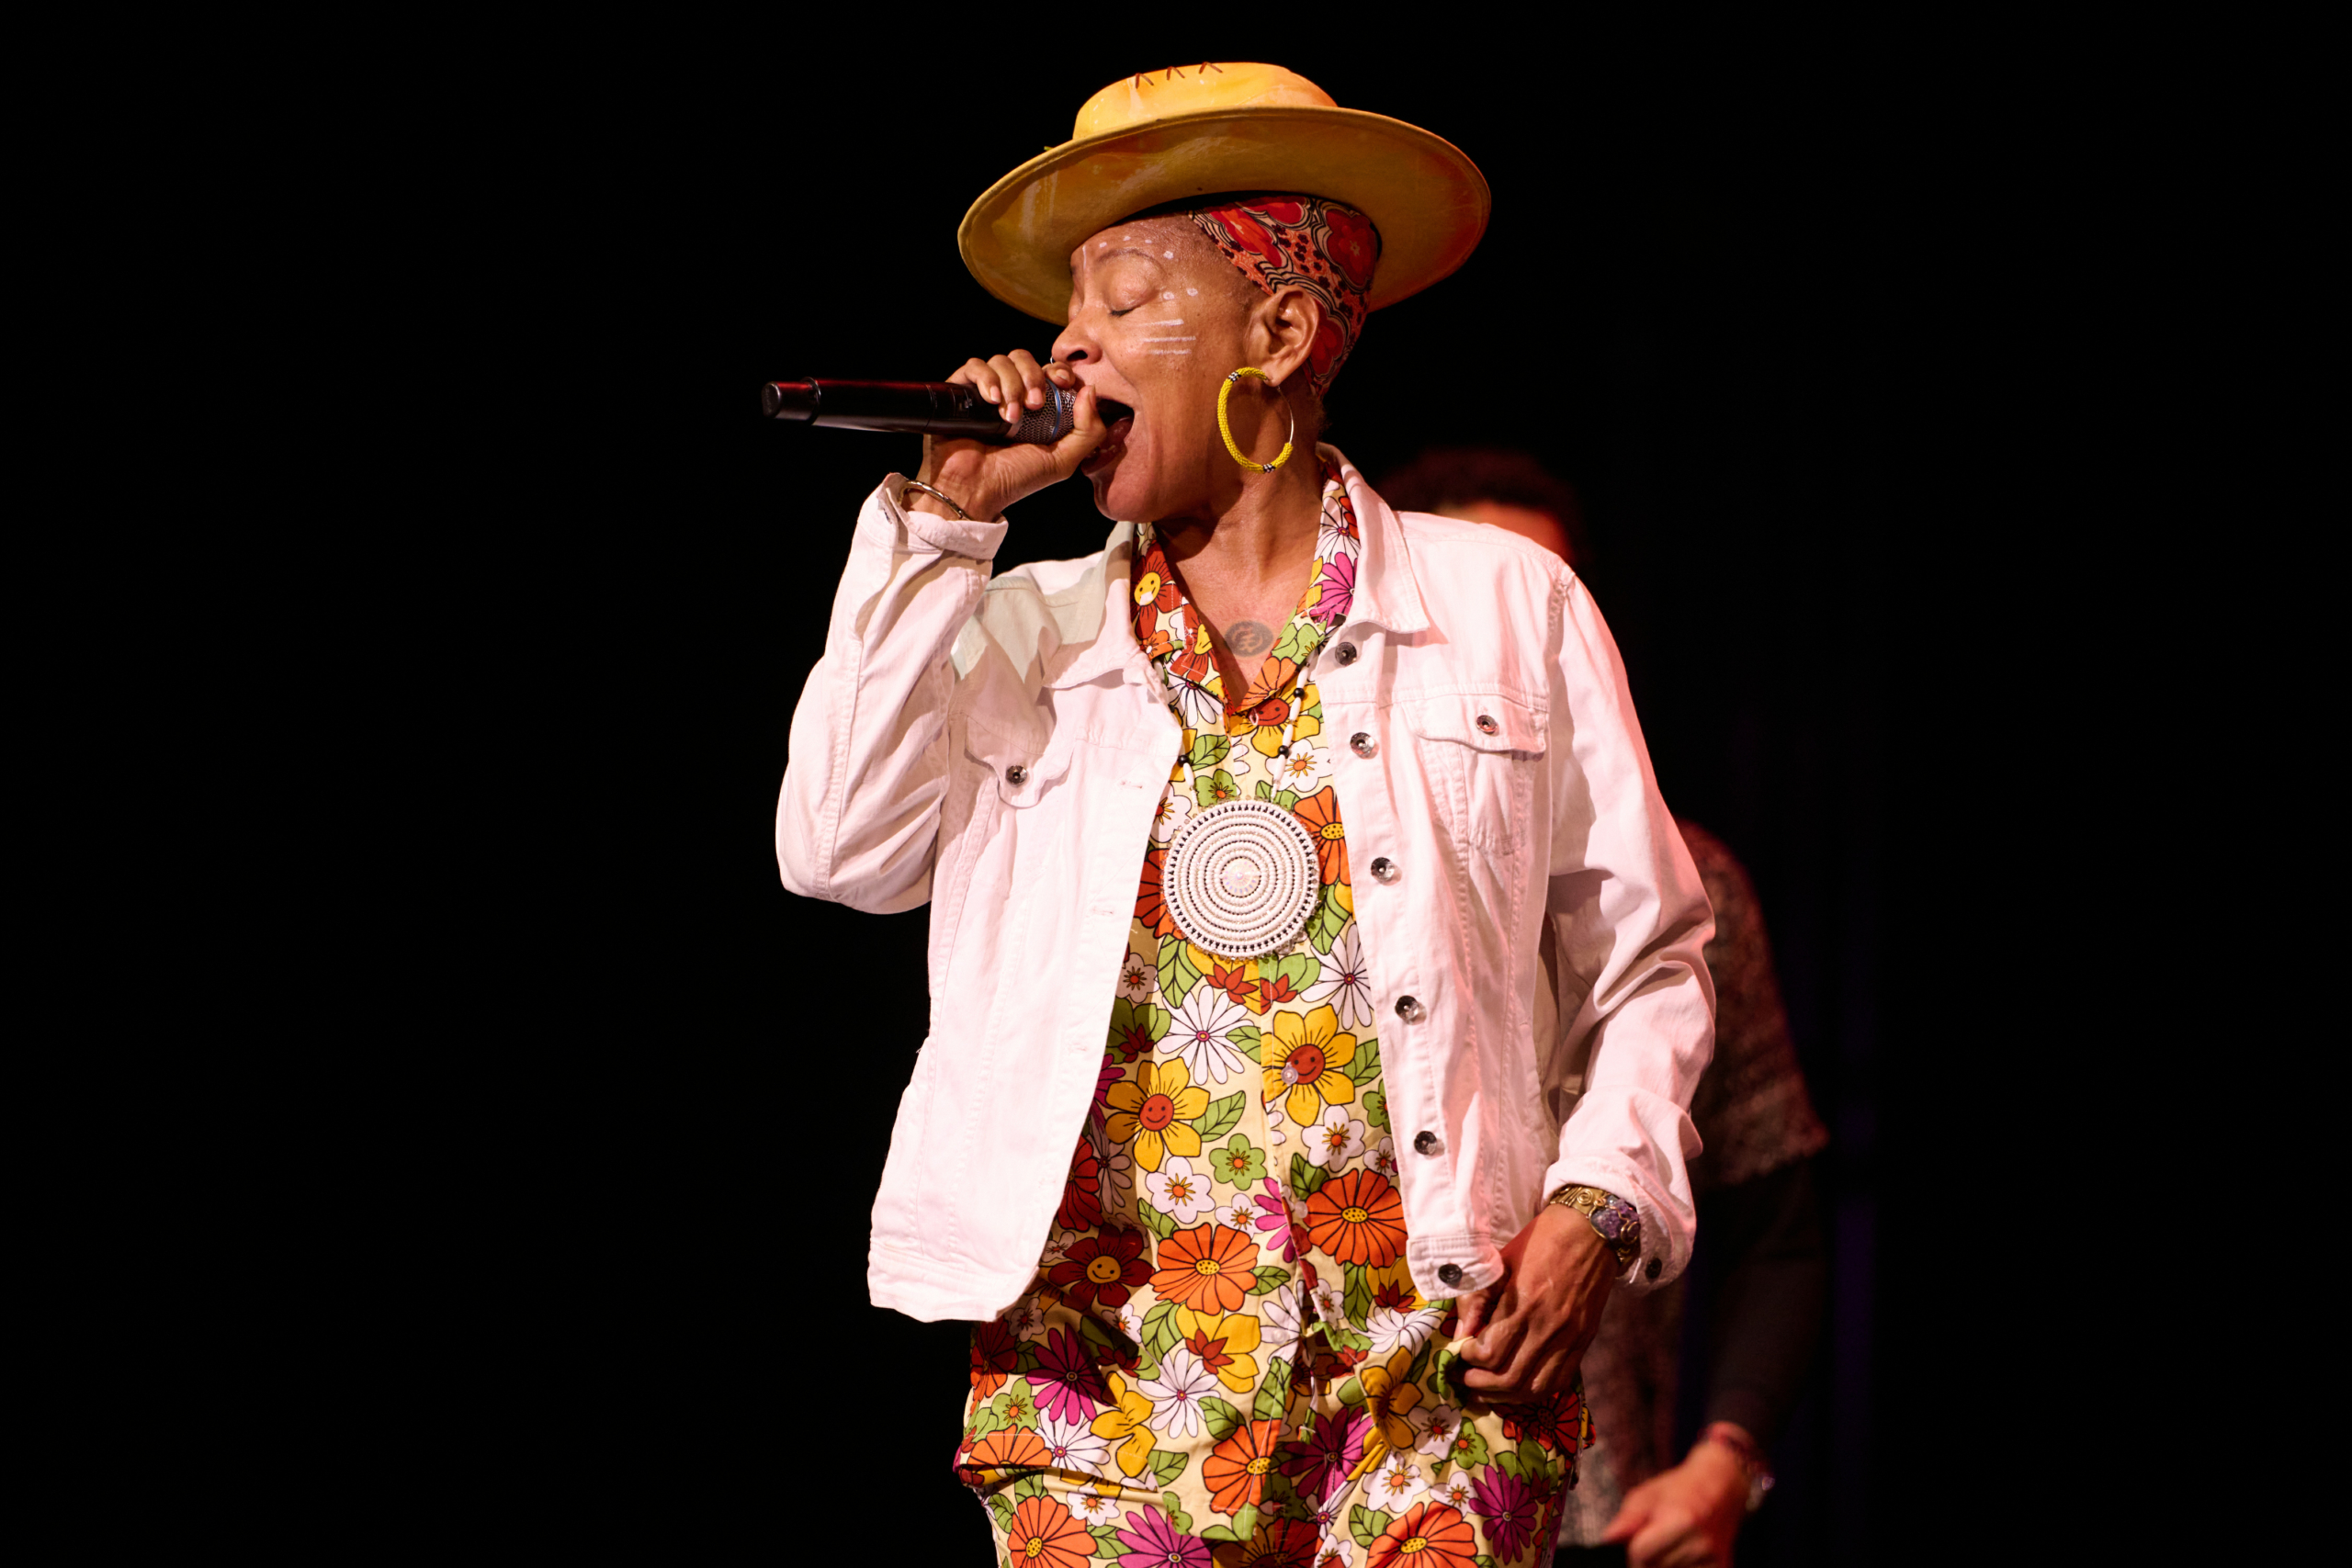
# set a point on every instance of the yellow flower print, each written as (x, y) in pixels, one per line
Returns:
(1391, 1401)
(1128, 1423)
(1155, 1112)
(1224, 1344)
(1268, 740)
(1303, 1057)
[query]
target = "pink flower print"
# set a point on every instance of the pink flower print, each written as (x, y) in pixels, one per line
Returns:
(1323, 1463)
(1272, 1218)
(1069, 1386)
(1338, 590)
(1149, 1540)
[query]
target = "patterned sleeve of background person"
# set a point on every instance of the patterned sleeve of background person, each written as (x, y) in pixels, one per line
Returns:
(1751, 1108)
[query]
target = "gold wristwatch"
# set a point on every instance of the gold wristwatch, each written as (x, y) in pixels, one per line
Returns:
(1617, 1221)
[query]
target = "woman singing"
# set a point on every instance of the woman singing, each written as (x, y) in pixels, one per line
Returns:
(1316, 985)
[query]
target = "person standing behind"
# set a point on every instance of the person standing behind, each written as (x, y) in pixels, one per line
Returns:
(1757, 1208)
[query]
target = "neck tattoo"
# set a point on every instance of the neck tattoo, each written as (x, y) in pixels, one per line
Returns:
(1248, 639)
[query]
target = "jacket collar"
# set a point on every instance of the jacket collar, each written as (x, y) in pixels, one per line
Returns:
(1388, 593)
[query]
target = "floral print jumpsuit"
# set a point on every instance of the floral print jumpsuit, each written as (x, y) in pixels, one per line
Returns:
(1223, 1360)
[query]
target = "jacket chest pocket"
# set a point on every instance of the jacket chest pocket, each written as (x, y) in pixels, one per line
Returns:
(1020, 770)
(1479, 753)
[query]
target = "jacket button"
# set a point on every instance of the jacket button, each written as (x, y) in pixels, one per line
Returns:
(1411, 1009)
(1362, 745)
(1450, 1273)
(1427, 1143)
(1384, 870)
(1016, 775)
(1345, 653)
(1652, 1270)
(1486, 724)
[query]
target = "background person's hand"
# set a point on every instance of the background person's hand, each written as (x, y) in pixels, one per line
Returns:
(1686, 1517)
(985, 478)
(1530, 1328)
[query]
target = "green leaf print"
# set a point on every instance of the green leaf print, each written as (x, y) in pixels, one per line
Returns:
(1176, 1514)
(1002, 1506)
(1246, 1038)
(1483, 1560)
(1222, 1419)
(1209, 749)
(1159, 1330)
(1300, 969)
(1220, 1118)
(1160, 1224)
(1177, 974)
(1240, 1163)
(1375, 1109)
(1137, 1027)
(1366, 1066)
(1167, 1465)
(1270, 1280)
(1210, 788)
(1028, 1486)
(1287, 799)
(1265, 789)
(1532, 1463)
(1351, 1394)
(1343, 1337)
(1273, 1394)
(1365, 1525)
(1508, 1462)
(1329, 920)
(1298, 639)
(985, 1421)
(1245, 1523)
(1420, 1362)
(1306, 1178)
(1106, 1540)
(1357, 1303)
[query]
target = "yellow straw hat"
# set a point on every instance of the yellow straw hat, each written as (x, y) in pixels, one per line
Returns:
(1227, 126)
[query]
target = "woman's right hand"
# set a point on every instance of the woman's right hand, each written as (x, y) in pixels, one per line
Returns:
(985, 478)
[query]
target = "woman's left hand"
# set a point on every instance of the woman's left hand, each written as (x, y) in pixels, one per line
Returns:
(1531, 1327)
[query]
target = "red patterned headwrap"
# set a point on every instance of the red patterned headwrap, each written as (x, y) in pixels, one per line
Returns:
(1327, 249)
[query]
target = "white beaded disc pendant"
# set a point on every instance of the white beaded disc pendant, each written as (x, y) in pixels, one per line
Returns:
(1241, 878)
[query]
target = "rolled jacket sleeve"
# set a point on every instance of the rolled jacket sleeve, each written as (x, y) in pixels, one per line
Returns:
(858, 817)
(1630, 921)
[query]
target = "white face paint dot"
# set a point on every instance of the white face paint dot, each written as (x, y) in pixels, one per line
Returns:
(1170, 295)
(1170, 255)
(1191, 292)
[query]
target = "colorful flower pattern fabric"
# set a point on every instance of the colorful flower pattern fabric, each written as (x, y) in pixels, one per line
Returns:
(1325, 247)
(1224, 1361)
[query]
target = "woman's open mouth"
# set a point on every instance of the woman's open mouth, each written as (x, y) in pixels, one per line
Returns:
(1120, 421)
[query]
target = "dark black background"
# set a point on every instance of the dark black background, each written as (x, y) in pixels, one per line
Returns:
(1735, 290)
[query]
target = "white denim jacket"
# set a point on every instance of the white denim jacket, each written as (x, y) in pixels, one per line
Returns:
(1532, 921)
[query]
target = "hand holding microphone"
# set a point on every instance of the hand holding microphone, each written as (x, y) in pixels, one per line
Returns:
(985, 478)
(997, 430)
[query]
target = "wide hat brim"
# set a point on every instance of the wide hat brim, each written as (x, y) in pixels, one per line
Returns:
(1427, 199)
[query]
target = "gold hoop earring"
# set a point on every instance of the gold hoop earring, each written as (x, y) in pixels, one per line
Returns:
(1226, 429)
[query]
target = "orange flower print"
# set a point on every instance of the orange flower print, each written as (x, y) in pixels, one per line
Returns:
(1237, 980)
(1358, 1218)
(1045, 1535)
(1151, 909)
(1303, 1059)
(1235, 1471)
(1014, 1448)
(1320, 813)
(1427, 1535)
(1210, 1268)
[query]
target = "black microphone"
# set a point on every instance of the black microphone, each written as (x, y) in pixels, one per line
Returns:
(922, 408)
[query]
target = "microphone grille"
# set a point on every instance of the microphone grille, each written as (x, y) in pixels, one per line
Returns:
(1043, 427)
